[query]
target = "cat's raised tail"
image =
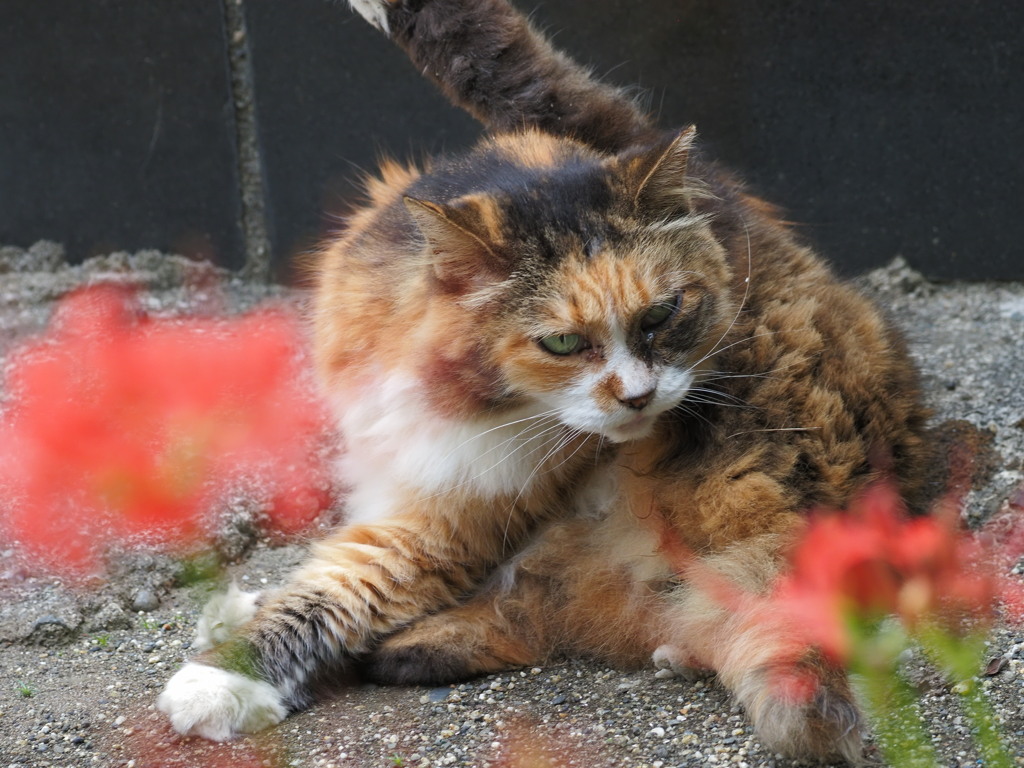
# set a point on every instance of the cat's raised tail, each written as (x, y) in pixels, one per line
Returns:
(488, 59)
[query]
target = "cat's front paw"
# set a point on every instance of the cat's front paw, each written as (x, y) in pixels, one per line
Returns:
(217, 704)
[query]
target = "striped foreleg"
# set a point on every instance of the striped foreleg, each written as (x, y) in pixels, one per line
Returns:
(361, 584)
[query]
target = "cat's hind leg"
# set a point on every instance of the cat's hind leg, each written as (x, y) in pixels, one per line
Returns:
(800, 704)
(477, 638)
(573, 591)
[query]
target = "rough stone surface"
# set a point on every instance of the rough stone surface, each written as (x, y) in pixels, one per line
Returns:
(46, 616)
(110, 616)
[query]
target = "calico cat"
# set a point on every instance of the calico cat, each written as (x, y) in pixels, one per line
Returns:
(554, 361)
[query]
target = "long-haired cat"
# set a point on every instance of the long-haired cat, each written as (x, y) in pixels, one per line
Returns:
(549, 358)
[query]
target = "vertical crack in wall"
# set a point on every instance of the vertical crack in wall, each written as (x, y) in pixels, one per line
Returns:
(250, 165)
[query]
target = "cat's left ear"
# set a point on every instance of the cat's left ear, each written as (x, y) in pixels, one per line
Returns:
(656, 177)
(459, 241)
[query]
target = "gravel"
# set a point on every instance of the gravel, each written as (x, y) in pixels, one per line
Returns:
(80, 668)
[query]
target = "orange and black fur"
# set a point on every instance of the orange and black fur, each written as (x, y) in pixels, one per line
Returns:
(553, 360)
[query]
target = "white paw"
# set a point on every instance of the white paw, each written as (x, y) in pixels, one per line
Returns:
(224, 614)
(672, 661)
(217, 704)
(374, 11)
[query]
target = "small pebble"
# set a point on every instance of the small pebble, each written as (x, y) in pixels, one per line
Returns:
(145, 600)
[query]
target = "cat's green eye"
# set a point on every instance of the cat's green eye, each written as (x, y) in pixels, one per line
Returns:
(658, 314)
(562, 344)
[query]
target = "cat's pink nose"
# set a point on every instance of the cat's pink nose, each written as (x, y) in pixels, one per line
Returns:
(639, 402)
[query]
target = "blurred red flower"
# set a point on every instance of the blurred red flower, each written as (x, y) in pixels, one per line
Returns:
(873, 561)
(528, 744)
(852, 568)
(117, 424)
(149, 742)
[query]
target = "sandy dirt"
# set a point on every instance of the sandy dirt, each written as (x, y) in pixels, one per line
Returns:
(80, 669)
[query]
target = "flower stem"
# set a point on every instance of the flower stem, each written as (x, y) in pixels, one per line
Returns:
(890, 700)
(959, 658)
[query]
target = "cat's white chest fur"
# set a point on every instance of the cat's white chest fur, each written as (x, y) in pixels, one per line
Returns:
(394, 444)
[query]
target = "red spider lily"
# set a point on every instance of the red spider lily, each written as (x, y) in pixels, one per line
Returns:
(872, 561)
(117, 424)
(851, 570)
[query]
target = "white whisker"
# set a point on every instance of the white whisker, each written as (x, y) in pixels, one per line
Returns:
(549, 428)
(772, 429)
(695, 414)
(570, 456)
(717, 393)
(564, 440)
(743, 301)
(703, 401)
(738, 341)
(505, 425)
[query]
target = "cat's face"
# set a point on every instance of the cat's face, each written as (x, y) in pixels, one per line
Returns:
(617, 337)
(596, 295)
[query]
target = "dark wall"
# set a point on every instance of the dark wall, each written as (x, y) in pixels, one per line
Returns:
(333, 95)
(116, 127)
(882, 128)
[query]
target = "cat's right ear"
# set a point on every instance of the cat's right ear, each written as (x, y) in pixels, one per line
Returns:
(458, 242)
(656, 177)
